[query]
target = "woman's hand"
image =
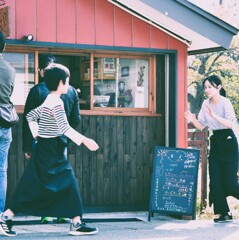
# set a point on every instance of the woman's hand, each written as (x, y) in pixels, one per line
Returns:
(225, 122)
(210, 111)
(27, 155)
(90, 144)
(191, 117)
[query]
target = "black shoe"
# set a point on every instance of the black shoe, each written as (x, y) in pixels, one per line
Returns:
(82, 229)
(6, 229)
(224, 218)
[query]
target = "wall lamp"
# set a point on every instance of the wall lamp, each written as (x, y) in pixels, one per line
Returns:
(27, 38)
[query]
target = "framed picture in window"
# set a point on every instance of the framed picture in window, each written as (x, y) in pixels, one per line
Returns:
(125, 71)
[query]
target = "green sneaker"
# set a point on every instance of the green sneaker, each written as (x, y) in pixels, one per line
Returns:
(63, 220)
(46, 220)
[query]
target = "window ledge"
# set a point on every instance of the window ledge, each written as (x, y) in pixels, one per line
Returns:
(108, 112)
(119, 112)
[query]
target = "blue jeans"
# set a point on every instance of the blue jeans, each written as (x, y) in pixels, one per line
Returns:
(5, 141)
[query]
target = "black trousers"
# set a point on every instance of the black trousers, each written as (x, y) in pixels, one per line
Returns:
(223, 168)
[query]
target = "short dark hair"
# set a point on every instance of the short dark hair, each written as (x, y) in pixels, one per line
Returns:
(45, 60)
(2, 42)
(53, 74)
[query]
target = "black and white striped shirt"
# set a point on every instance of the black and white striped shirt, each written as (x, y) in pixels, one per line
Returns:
(50, 116)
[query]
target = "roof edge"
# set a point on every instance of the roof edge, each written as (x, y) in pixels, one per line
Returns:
(206, 50)
(209, 16)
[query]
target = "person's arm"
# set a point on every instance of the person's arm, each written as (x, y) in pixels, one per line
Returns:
(61, 120)
(230, 118)
(27, 138)
(32, 118)
(74, 115)
(79, 139)
(192, 118)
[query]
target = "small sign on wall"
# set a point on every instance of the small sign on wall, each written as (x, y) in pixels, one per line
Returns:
(4, 21)
(109, 65)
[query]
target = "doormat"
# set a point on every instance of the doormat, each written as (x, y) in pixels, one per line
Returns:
(86, 220)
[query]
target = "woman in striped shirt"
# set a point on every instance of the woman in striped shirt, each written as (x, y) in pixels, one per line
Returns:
(48, 186)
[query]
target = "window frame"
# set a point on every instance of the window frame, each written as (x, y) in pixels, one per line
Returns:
(109, 111)
(126, 111)
(17, 49)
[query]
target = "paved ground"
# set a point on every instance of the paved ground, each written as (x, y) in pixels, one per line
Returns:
(130, 226)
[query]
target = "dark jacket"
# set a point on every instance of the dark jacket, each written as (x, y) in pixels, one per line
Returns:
(36, 97)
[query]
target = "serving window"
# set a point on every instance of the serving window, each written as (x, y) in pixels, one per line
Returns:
(106, 84)
(117, 82)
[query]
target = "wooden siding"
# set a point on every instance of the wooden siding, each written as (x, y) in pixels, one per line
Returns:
(66, 23)
(83, 22)
(46, 23)
(141, 33)
(118, 175)
(85, 14)
(122, 24)
(159, 39)
(25, 18)
(97, 22)
(104, 28)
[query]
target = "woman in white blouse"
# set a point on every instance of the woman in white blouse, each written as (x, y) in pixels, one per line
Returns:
(218, 114)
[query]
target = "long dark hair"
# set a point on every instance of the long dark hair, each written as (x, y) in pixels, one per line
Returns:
(215, 81)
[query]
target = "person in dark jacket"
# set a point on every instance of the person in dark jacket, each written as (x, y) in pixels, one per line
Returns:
(35, 98)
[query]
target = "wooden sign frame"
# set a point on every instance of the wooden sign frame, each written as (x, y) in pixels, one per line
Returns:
(174, 181)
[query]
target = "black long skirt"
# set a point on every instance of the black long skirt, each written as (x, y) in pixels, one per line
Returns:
(48, 186)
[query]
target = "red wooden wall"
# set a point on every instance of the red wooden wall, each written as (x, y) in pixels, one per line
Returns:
(96, 22)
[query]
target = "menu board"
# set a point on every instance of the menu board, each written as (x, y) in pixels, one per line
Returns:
(174, 181)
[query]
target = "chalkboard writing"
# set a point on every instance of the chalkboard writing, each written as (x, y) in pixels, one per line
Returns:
(174, 181)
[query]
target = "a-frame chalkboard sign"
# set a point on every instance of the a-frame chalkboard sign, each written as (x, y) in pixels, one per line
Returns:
(174, 181)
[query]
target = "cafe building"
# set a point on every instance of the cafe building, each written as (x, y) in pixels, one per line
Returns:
(128, 62)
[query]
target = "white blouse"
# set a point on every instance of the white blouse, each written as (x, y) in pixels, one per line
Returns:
(223, 109)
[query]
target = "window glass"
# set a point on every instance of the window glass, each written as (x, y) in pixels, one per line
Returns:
(119, 82)
(24, 80)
